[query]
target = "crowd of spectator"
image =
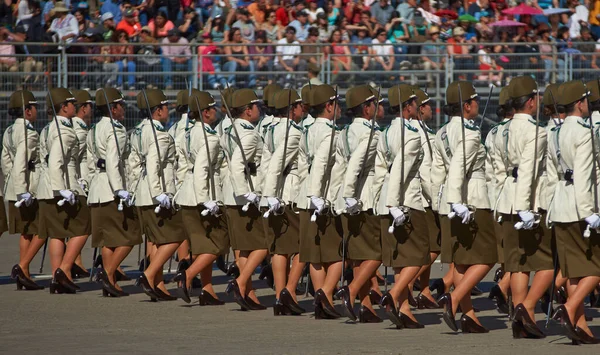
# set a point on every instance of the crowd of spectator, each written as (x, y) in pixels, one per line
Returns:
(244, 43)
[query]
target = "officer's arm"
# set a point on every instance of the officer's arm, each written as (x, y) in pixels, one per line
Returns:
(320, 162)
(456, 171)
(56, 164)
(582, 175)
(154, 166)
(248, 143)
(395, 195)
(90, 157)
(19, 165)
(357, 164)
(113, 165)
(274, 169)
(523, 186)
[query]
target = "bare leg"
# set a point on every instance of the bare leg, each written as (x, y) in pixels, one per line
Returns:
(294, 276)
(578, 289)
(334, 272)
(504, 283)
(74, 247)
(206, 277)
(56, 250)
(403, 276)
(280, 264)
(183, 252)
(362, 274)
(254, 259)
(118, 255)
(424, 277)
(35, 246)
(449, 278)
(24, 243)
(158, 258)
(317, 276)
(541, 281)
(519, 282)
(465, 278)
(79, 261)
(201, 262)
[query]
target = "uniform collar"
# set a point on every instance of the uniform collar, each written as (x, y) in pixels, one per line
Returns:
(458, 118)
(27, 123)
(323, 120)
(158, 124)
(80, 122)
(522, 116)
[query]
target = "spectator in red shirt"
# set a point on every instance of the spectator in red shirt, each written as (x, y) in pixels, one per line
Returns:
(283, 14)
(160, 25)
(129, 24)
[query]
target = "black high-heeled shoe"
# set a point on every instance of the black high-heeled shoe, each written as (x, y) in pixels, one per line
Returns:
(279, 309)
(320, 313)
(121, 276)
(206, 299)
(562, 315)
(237, 295)
(561, 295)
(408, 323)
(446, 301)
(322, 301)
(163, 296)
(501, 304)
(61, 278)
(374, 297)
(77, 272)
(23, 281)
(498, 275)
(425, 303)
(184, 291)
(27, 284)
(254, 306)
(389, 305)
(108, 289)
(518, 332)
(585, 338)
(439, 287)
(365, 315)
(411, 300)
(233, 270)
(285, 297)
(468, 325)
(266, 272)
(344, 295)
(57, 288)
(147, 288)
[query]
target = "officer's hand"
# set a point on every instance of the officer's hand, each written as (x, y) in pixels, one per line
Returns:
(462, 211)
(398, 216)
(68, 195)
(164, 201)
(593, 221)
(528, 219)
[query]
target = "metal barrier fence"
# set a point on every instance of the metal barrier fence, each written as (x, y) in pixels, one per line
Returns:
(428, 65)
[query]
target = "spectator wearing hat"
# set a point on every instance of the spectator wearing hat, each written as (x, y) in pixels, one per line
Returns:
(381, 12)
(245, 25)
(160, 25)
(148, 59)
(288, 55)
(65, 25)
(108, 25)
(94, 65)
(48, 13)
(273, 30)
(459, 52)
(130, 24)
(175, 58)
(112, 7)
(238, 59)
(301, 25)
(313, 11)
(217, 28)
(262, 56)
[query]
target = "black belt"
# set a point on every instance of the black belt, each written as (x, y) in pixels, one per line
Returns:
(251, 167)
(568, 176)
(515, 172)
(31, 165)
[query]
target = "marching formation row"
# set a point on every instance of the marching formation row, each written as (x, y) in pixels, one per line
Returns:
(278, 178)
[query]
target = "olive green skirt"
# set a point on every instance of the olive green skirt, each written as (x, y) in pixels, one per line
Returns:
(447, 240)
(499, 241)
(23, 220)
(112, 228)
(283, 233)
(246, 229)
(207, 234)
(474, 243)
(409, 244)
(64, 221)
(363, 235)
(577, 256)
(526, 250)
(163, 228)
(433, 229)
(321, 241)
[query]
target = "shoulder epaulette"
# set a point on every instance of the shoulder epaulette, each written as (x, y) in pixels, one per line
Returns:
(296, 126)
(209, 130)
(30, 127)
(160, 128)
(583, 124)
(117, 124)
(66, 123)
(555, 128)
(410, 127)
(82, 125)
(471, 127)
(246, 126)
(533, 122)
(444, 124)
(429, 130)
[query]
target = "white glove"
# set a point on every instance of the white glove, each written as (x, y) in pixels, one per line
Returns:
(351, 205)
(26, 198)
(68, 196)
(528, 219)
(462, 211)
(212, 207)
(123, 194)
(318, 203)
(274, 203)
(398, 216)
(251, 197)
(593, 221)
(83, 184)
(164, 201)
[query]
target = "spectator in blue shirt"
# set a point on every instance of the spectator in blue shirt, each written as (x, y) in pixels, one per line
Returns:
(381, 12)
(113, 7)
(301, 26)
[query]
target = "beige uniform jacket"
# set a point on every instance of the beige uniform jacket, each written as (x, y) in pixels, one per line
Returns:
(235, 184)
(78, 163)
(221, 128)
(573, 202)
(545, 195)
(315, 160)
(194, 172)
(274, 143)
(492, 160)
(263, 129)
(55, 176)
(102, 147)
(517, 151)
(352, 174)
(553, 169)
(428, 145)
(388, 167)
(308, 121)
(19, 162)
(154, 169)
(472, 189)
(135, 160)
(177, 131)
